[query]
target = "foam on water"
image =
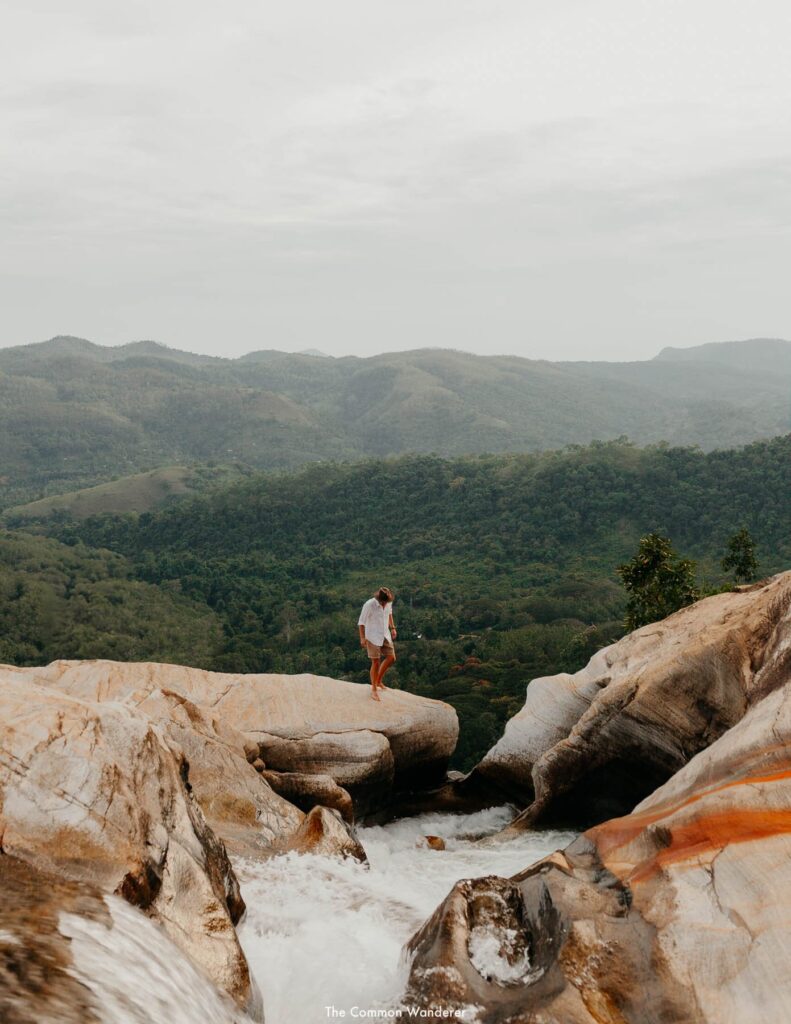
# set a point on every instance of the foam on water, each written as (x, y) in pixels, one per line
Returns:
(318, 933)
(328, 933)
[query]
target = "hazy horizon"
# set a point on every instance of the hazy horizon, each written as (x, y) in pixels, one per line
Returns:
(318, 353)
(567, 181)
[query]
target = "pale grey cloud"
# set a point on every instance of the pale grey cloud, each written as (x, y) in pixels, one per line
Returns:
(587, 178)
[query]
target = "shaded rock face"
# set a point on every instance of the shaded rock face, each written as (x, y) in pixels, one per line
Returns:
(301, 724)
(676, 912)
(589, 746)
(93, 793)
(309, 791)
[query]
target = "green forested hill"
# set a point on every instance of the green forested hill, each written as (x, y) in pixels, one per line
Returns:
(140, 492)
(503, 565)
(508, 511)
(74, 414)
(59, 601)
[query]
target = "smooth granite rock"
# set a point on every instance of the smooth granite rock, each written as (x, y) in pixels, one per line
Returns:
(325, 832)
(298, 724)
(589, 746)
(679, 911)
(95, 793)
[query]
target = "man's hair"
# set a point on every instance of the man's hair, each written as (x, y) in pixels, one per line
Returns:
(384, 594)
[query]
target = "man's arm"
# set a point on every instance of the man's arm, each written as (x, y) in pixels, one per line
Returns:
(361, 623)
(391, 627)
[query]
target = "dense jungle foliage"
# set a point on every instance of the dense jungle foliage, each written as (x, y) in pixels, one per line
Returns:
(504, 567)
(59, 601)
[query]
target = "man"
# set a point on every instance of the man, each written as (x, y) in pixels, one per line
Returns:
(377, 632)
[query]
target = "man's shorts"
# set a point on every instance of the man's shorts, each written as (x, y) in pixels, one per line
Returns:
(374, 652)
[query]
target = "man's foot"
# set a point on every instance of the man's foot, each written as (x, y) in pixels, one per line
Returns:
(375, 696)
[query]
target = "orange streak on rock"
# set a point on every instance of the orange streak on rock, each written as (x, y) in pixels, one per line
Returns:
(709, 834)
(619, 832)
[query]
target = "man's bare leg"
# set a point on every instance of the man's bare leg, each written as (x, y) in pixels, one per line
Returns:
(374, 677)
(384, 666)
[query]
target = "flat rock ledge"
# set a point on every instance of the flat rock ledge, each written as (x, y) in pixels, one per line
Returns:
(296, 724)
(679, 911)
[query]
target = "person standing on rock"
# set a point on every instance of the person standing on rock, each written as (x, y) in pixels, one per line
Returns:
(377, 632)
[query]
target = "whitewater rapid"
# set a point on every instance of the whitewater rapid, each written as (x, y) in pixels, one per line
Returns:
(319, 932)
(322, 933)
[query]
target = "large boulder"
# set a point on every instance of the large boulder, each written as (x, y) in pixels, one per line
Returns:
(241, 807)
(94, 793)
(301, 724)
(677, 912)
(591, 745)
(321, 726)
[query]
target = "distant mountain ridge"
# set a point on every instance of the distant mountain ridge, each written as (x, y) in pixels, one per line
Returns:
(735, 353)
(769, 353)
(74, 414)
(66, 345)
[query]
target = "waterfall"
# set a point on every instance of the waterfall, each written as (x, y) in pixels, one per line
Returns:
(137, 975)
(320, 934)
(325, 933)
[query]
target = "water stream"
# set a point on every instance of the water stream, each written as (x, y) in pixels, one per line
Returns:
(319, 932)
(325, 933)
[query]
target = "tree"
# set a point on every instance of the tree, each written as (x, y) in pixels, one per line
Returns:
(289, 620)
(740, 558)
(657, 582)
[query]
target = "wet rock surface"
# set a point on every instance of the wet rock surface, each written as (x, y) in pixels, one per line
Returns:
(94, 794)
(37, 985)
(325, 832)
(676, 912)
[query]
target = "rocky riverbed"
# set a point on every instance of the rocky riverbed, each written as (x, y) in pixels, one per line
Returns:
(134, 798)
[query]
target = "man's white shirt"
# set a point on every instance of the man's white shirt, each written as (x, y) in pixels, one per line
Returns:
(376, 620)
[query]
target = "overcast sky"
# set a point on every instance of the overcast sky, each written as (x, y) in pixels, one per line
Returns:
(565, 179)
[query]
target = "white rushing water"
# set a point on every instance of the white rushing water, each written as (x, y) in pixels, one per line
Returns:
(137, 975)
(325, 933)
(319, 932)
